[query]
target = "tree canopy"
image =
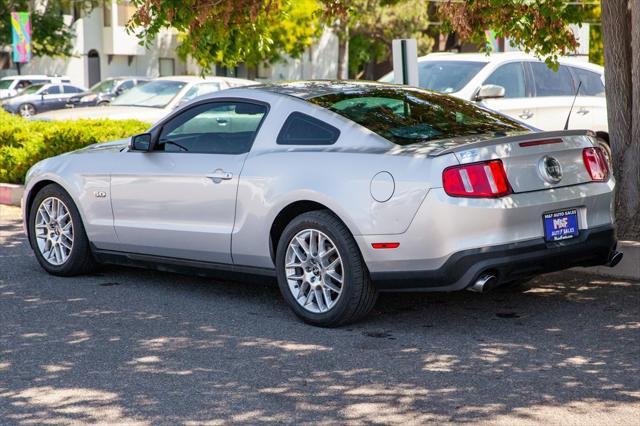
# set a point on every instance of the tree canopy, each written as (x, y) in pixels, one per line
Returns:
(228, 32)
(375, 23)
(540, 27)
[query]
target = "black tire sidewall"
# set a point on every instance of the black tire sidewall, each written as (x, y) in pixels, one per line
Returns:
(80, 254)
(351, 266)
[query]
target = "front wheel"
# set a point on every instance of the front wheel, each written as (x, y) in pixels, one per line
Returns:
(321, 273)
(26, 110)
(57, 234)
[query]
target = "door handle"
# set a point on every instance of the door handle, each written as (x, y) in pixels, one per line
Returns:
(582, 111)
(526, 114)
(219, 175)
(222, 121)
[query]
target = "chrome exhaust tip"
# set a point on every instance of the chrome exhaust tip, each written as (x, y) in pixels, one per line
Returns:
(484, 283)
(614, 258)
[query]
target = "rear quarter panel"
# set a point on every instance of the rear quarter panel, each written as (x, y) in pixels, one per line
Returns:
(337, 176)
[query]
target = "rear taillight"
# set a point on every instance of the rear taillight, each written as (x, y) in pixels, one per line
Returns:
(486, 179)
(596, 163)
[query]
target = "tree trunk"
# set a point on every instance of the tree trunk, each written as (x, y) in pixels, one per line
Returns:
(252, 71)
(621, 36)
(343, 54)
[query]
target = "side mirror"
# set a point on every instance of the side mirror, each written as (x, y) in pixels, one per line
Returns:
(489, 91)
(141, 142)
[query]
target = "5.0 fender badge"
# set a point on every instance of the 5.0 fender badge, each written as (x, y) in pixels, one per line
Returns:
(99, 194)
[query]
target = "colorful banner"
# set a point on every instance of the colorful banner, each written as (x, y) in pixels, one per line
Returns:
(492, 42)
(21, 29)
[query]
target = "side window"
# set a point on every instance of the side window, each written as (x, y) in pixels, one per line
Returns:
(23, 84)
(591, 82)
(71, 89)
(213, 128)
(54, 89)
(550, 83)
(511, 77)
(125, 85)
(199, 90)
(301, 129)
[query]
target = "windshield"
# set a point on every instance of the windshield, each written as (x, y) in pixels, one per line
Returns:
(5, 84)
(405, 115)
(32, 89)
(156, 94)
(443, 76)
(103, 87)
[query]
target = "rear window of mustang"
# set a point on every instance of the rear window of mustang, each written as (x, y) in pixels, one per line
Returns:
(406, 115)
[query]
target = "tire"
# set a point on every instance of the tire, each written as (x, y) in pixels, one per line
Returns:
(357, 294)
(103, 103)
(607, 150)
(27, 110)
(78, 259)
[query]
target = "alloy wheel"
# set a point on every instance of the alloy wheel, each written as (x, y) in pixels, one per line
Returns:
(54, 231)
(27, 110)
(314, 270)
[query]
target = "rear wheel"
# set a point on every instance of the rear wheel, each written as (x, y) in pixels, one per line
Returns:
(321, 273)
(607, 150)
(57, 234)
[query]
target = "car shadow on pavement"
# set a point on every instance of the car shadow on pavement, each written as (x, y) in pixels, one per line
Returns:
(134, 346)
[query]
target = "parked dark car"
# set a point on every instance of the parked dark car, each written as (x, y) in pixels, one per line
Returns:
(39, 98)
(103, 92)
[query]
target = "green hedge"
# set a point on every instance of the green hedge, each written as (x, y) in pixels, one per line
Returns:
(23, 143)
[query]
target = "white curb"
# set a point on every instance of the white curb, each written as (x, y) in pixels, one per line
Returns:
(11, 194)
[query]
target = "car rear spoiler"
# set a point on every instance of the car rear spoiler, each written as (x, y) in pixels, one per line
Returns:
(452, 145)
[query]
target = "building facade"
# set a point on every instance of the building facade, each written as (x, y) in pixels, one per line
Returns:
(104, 49)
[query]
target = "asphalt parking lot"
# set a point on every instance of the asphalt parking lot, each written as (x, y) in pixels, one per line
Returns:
(128, 346)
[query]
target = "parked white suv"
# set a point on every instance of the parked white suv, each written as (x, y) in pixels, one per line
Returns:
(533, 93)
(12, 85)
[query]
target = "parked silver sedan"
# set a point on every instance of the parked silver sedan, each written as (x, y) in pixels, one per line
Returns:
(340, 190)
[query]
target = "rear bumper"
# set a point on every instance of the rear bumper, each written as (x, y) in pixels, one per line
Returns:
(508, 262)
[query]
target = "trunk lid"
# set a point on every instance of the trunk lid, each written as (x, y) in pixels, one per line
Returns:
(533, 161)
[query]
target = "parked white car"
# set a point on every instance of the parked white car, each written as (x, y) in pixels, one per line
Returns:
(12, 85)
(151, 101)
(533, 93)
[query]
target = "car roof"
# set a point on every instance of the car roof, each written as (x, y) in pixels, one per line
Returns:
(505, 56)
(125, 77)
(31, 76)
(313, 88)
(197, 79)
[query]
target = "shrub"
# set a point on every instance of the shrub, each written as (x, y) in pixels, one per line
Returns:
(23, 142)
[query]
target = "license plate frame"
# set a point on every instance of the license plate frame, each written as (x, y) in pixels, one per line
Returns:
(560, 225)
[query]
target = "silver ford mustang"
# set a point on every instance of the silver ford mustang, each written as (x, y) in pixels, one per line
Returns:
(340, 190)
